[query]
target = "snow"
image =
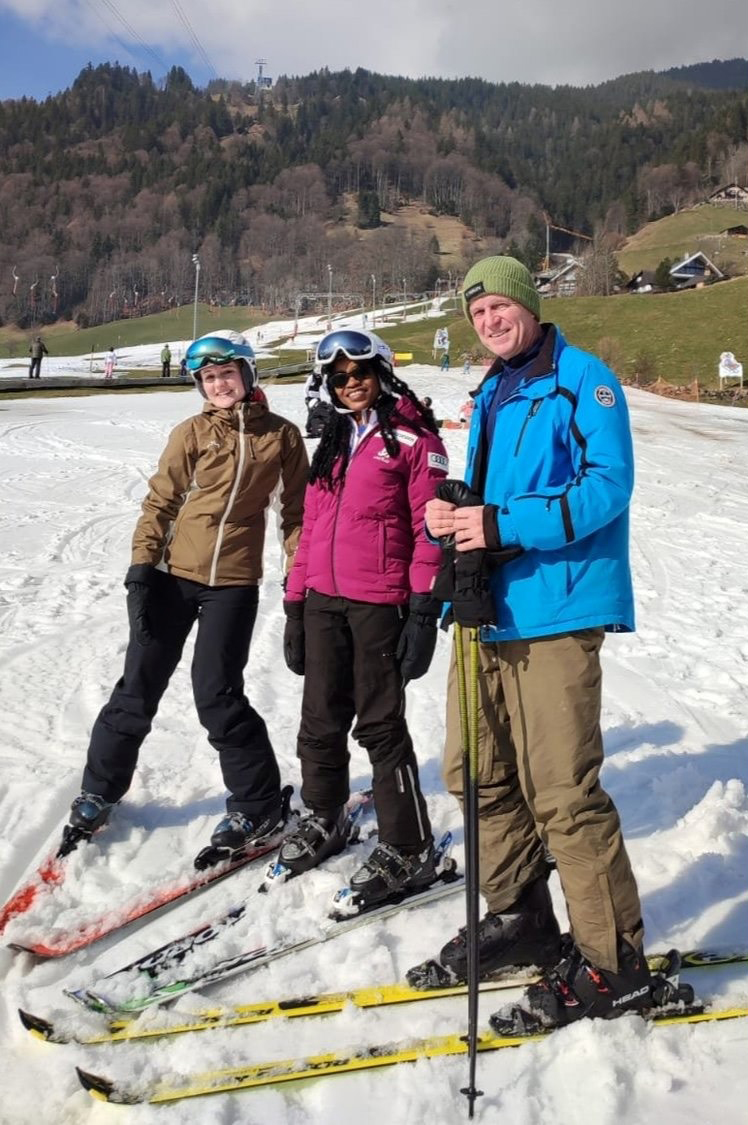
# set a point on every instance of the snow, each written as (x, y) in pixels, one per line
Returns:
(675, 719)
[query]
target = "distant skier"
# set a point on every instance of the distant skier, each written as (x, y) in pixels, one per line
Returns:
(110, 362)
(197, 560)
(37, 351)
(166, 362)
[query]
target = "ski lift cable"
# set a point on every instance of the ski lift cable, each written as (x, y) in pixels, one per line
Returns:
(110, 28)
(131, 31)
(193, 36)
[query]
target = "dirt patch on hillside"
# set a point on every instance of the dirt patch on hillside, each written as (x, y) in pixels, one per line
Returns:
(456, 241)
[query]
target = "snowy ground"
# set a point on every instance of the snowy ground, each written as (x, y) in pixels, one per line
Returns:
(676, 717)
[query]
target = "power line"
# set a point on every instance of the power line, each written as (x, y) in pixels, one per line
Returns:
(131, 31)
(193, 36)
(110, 28)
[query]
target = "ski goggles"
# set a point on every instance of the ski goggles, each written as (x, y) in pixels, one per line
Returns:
(215, 349)
(353, 345)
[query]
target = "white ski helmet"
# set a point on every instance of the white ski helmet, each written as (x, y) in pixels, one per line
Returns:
(359, 346)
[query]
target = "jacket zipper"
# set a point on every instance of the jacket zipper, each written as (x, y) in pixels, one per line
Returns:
(376, 430)
(229, 502)
(534, 408)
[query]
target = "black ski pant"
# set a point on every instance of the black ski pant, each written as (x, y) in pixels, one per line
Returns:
(165, 368)
(225, 618)
(35, 367)
(351, 673)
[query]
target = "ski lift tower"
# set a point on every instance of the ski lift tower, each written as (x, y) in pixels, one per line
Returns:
(263, 82)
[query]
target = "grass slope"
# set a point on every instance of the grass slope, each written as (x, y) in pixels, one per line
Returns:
(673, 336)
(67, 339)
(676, 236)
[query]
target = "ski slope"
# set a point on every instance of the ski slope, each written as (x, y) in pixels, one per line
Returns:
(676, 728)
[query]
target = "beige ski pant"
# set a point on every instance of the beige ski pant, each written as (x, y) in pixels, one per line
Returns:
(540, 752)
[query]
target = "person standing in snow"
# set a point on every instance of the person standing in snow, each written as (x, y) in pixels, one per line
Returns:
(110, 362)
(550, 461)
(165, 362)
(197, 558)
(361, 619)
(37, 351)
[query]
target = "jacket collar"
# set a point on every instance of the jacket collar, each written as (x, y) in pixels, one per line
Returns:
(250, 410)
(542, 365)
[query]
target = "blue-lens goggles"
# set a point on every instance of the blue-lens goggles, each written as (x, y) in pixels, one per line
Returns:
(215, 349)
(354, 345)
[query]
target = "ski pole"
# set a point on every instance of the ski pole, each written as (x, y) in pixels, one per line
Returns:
(469, 735)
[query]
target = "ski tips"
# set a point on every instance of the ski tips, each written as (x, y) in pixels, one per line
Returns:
(37, 1025)
(98, 1087)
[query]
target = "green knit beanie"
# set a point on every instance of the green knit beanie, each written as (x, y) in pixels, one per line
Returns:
(503, 276)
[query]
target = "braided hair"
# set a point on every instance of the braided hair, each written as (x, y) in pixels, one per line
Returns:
(333, 450)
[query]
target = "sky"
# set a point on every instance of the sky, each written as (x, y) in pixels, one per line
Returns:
(675, 715)
(44, 44)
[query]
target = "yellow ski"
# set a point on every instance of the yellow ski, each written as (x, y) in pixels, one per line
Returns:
(337, 1062)
(127, 1029)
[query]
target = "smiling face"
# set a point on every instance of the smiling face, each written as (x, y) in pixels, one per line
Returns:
(355, 384)
(223, 383)
(504, 326)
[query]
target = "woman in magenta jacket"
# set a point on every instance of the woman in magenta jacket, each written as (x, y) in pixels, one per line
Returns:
(360, 618)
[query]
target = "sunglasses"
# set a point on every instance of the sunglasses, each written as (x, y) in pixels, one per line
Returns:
(214, 349)
(339, 378)
(353, 345)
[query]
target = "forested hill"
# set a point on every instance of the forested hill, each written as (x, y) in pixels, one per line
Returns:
(112, 185)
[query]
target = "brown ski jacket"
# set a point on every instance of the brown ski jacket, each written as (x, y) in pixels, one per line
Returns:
(204, 515)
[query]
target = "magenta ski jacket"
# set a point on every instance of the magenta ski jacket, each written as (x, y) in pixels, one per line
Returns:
(365, 540)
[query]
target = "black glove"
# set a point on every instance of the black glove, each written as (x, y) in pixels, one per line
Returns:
(464, 577)
(415, 647)
(139, 582)
(293, 637)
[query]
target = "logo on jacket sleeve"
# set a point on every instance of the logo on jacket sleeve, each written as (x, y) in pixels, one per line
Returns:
(604, 395)
(438, 461)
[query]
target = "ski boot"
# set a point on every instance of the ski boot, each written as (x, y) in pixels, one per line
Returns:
(318, 837)
(88, 812)
(574, 989)
(235, 834)
(527, 934)
(389, 875)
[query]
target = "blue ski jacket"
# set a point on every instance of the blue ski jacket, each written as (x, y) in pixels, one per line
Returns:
(558, 478)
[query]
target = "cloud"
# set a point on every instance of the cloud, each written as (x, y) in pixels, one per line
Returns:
(576, 42)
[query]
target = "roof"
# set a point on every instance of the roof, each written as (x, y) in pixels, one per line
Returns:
(694, 266)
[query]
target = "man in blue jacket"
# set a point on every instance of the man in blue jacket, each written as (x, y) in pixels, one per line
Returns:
(550, 453)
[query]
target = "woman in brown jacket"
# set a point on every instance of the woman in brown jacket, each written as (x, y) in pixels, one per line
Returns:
(197, 556)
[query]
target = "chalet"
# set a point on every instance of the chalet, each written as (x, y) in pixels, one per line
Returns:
(560, 279)
(642, 282)
(730, 193)
(740, 231)
(695, 270)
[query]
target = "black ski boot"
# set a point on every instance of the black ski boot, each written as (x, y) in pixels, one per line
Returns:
(235, 834)
(389, 875)
(88, 812)
(574, 989)
(526, 934)
(319, 836)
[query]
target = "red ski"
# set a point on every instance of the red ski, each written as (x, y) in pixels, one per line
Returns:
(51, 874)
